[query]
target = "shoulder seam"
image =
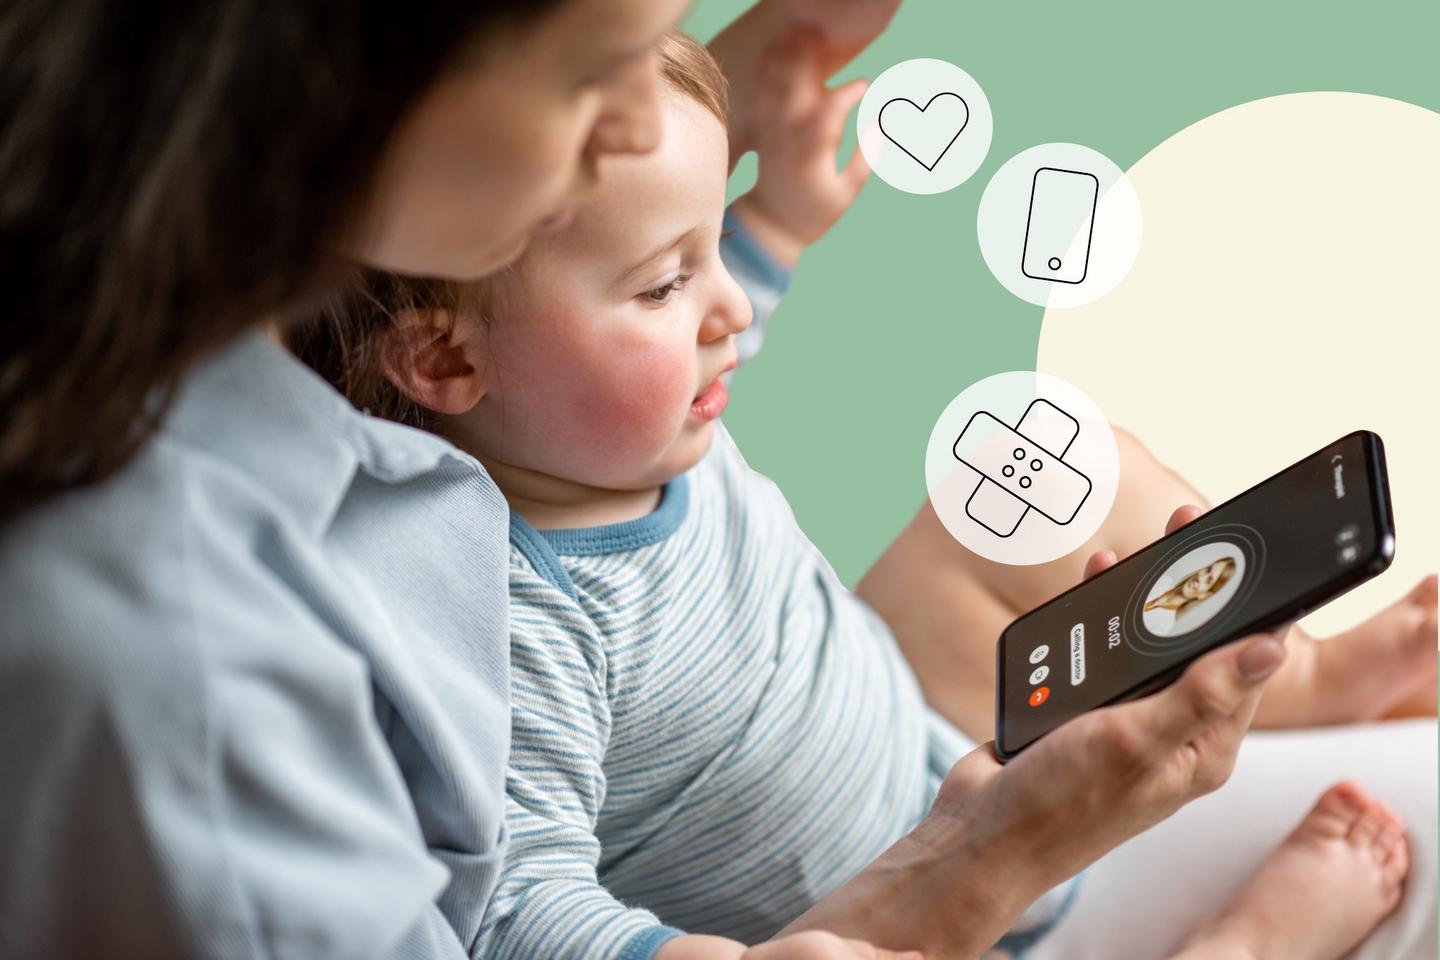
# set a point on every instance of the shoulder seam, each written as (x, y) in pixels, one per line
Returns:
(538, 552)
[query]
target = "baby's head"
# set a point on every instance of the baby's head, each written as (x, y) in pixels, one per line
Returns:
(596, 358)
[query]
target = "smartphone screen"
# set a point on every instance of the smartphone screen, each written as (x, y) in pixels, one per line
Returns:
(1275, 552)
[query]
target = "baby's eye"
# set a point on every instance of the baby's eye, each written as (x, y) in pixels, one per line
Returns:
(661, 294)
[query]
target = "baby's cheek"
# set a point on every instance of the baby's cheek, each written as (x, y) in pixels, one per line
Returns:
(642, 402)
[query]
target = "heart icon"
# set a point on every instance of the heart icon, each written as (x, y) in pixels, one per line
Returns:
(922, 132)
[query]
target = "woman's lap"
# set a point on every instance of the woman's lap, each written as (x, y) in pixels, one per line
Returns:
(1143, 898)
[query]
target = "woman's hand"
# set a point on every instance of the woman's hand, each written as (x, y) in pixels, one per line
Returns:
(1111, 773)
(999, 836)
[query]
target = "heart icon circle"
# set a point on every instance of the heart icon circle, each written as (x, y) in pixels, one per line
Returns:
(925, 133)
(924, 126)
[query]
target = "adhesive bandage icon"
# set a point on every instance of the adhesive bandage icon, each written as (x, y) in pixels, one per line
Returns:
(1022, 469)
(1034, 507)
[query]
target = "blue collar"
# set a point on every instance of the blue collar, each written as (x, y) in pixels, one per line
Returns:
(655, 526)
(543, 548)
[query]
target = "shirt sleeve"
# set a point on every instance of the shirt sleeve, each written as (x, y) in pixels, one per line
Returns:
(550, 902)
(188, 770)
(763, 278)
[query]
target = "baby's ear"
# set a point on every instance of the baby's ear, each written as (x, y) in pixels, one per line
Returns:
(437, 359)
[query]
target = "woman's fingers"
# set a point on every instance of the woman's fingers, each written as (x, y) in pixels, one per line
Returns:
(1099, 562)
(1217, 693)
(1182, 516)
(1103, 560)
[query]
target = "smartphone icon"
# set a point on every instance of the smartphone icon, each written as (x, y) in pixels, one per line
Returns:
(1060, 224)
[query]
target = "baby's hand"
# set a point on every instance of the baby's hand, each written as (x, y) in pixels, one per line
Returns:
(797, 126)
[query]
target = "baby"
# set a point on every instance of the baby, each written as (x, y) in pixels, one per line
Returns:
(710, 733)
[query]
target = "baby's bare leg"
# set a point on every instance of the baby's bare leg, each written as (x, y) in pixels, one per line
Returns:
(1321, 891)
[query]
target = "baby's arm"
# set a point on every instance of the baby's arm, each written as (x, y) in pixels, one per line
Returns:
(798, 125)
(798, 194)
(763, 278)
(550, 902)
(848, 27)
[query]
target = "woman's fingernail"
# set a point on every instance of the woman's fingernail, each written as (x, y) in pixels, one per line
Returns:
(1260, 659)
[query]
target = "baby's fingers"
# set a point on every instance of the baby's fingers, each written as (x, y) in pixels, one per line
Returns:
(840, 101)
(790, 70)
(820, 945)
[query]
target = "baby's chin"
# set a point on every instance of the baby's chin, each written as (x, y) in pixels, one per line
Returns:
(690, 448)
(683, 455)
(637, 470)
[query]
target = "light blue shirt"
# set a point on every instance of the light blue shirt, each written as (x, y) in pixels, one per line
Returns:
(255, 687)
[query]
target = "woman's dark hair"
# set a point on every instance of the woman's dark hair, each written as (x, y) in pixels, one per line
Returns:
(170, 174)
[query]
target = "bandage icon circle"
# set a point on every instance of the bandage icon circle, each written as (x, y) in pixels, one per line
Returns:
(1022, 467)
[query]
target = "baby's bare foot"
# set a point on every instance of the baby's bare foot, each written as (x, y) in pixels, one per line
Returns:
(1382, 668)
(1321, 891)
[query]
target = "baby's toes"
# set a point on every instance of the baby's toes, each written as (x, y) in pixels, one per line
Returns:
(1396, 864)
(1366, 829)
(1338, 809)
(1391, 835)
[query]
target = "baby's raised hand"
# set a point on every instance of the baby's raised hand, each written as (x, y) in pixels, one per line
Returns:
(797, 125)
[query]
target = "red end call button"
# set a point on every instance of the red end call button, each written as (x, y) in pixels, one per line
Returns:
(1039, 695)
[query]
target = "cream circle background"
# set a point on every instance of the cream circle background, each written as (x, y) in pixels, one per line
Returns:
(1284, 295)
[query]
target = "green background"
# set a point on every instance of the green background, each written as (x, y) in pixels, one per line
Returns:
(893, 312)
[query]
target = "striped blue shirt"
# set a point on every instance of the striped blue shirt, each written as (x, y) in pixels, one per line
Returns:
(710, 733)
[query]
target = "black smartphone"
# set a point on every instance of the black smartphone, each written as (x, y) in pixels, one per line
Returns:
(1270, 555)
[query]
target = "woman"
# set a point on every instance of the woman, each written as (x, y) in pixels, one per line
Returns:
(1196, 586)
(236, 723)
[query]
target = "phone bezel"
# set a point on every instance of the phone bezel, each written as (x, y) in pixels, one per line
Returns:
(1381, 556)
